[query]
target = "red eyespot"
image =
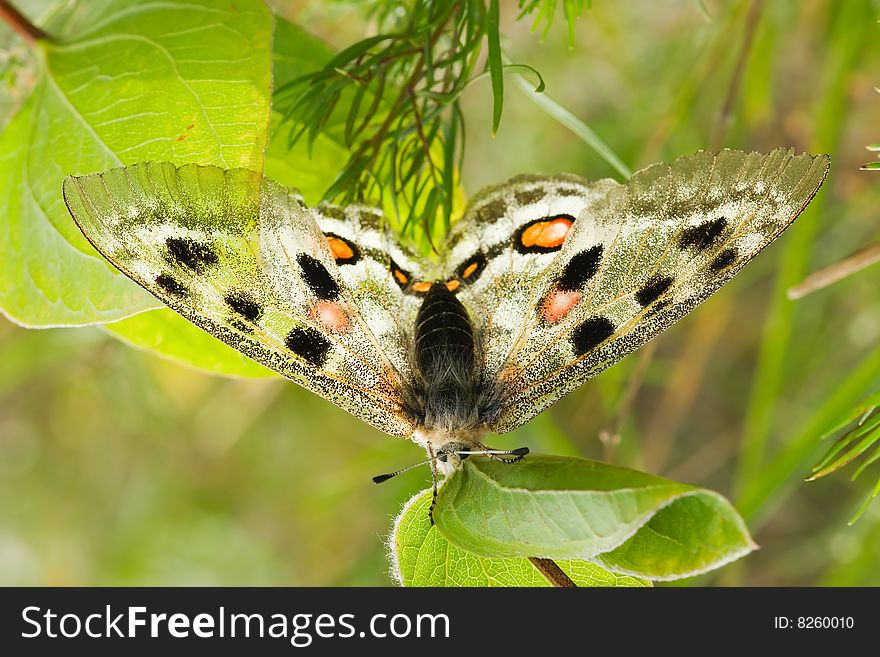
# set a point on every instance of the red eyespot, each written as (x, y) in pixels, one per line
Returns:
(330, 315)
(558, 305)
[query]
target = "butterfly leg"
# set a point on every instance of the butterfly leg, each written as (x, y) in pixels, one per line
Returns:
(504, 456)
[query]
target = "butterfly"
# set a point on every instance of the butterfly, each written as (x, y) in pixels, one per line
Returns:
(544, 282)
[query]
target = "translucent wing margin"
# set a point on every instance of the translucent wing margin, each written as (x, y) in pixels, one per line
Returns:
(244, 259)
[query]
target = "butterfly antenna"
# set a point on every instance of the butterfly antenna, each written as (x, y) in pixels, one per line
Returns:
(378, 479)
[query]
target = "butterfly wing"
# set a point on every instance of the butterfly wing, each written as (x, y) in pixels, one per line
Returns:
(554, 313)
(376, 270)
(244, 259)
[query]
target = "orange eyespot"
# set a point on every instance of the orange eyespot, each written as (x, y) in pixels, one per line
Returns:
(452, 285)
(339, 249)
(470, 269)
(547, 234)
(402, 278)
(344, 251)
(421, 287)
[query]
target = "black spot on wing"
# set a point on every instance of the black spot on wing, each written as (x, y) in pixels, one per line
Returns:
(653, 289)
(492, 211)
(371, 220)
(657, 307)
(310, 344)
(580, 269)
(171, 285)
(190, 253)
(244, 304)
(332, 212)
(703, 236)
(723, 260)
(316, 276)
(496, 250)
(590, 333)
(526, 196)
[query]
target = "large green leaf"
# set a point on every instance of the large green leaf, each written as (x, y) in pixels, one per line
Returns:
(310, 170)
(421, 556)
(568, 508)
(125, 82)
(165, 332)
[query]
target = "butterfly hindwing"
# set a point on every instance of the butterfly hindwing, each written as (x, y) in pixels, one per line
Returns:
(244, 259)
(376, 271)
(636, 259)
(500, 251)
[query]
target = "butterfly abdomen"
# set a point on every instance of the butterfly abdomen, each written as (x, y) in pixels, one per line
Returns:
(445, 358)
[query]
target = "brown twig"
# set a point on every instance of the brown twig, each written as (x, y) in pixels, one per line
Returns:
(554, 574)
(736, 80)
(839, 270)
(14, 18)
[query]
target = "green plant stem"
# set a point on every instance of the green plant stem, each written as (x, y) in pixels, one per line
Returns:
(779, 325)
(736, 79)
(760, 495)
(22, 26)
(578, 127)
(554, 574)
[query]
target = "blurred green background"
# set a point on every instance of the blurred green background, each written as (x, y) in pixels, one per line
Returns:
(118, 467)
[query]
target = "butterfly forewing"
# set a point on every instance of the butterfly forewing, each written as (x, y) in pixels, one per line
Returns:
(638, 257)
(244, 259)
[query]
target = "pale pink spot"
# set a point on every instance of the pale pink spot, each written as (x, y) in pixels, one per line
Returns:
(558, 304)
(330, 316)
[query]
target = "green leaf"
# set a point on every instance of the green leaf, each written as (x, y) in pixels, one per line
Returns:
(126, 83)
(496, 68)
(421, 556)
(573, 123)
(863, 433)
(296, 53)
(568, 508)
(166, 333)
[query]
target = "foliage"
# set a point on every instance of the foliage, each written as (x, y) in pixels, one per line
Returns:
(398, 94)
(565, 508)
(212, 107)
(872, 166)
(180, 478)
(863, 434)
(422, 556)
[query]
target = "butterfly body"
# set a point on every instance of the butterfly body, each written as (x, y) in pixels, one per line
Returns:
(544, 283)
